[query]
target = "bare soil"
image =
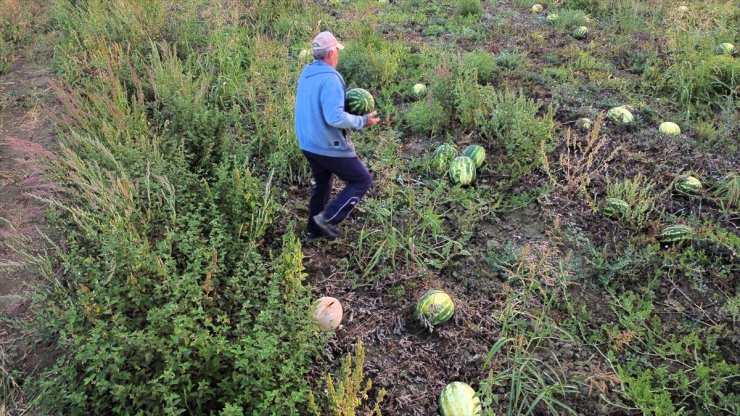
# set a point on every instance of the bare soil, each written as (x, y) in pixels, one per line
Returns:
(26, 135)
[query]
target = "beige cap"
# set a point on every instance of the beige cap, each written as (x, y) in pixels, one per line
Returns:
(325, 40)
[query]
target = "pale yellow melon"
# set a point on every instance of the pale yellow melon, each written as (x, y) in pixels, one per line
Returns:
(327, 312)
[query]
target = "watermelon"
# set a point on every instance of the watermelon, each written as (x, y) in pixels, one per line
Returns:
(459, 399)
(669, 128)
(687, 185)
(552, 18)
(683, 9)
(436, 307)
(442, 157)
(420, 90)
(477, 153)
(462, 170)
(359, 102)
(580, 32)
(620, 115)
(615, 208)
(327, 312)
(537, 8)
(725, 48)
(674, 233)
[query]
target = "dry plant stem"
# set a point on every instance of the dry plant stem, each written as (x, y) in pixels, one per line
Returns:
(580, 161)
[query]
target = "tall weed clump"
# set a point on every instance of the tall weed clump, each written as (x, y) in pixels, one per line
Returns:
(264, 120)
(175, 294)
(19, 20)
(372, 62)
(590, 6)
(521, 379)
(404, 231)
(182, 109)
(459, 91)
(91, 26)
(703, 83)
(513, 124)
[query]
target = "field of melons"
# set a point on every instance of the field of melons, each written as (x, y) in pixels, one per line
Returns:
(588, 249)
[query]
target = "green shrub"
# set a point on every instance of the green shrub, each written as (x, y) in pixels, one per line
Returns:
(700, 83)
(169, 306)
(426, 117)
(468, 8)
(372, 62)
(6, 56)
(702, 386)
(182, 107)
(595, 7)
(655, 400)
(172, 301)
(468, 33)
(133, 22)
(348, 391)
(470, 98)
(20, 22)
(571, 18)
(264, 112)
(638, 194)
(513, 125)
(589, 63)
(483, 63)
(511, 59)
(283, 19)
(442, 86)
(635, 60)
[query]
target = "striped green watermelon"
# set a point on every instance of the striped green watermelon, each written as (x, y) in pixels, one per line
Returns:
(669, 128)
(687, 185)
(462, 170)
(477, 153)
(580, 32)
(674, 233)
(459, 399)
(420, 90)
(442, 157)
(359, 102)
(725, 48)
(615, 208)
(620, 115)
(436, 307)
(552, 18)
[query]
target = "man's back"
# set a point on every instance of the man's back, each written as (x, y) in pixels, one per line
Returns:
(319, 113)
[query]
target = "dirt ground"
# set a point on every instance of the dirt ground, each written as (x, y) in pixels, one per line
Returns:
(26, 134)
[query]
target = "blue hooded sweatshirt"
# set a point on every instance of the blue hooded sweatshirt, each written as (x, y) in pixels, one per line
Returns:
(320, 119)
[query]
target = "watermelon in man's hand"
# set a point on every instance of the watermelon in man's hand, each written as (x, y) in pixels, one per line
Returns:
(359, 102)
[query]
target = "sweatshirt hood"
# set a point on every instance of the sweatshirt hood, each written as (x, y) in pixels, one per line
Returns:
(319, 67)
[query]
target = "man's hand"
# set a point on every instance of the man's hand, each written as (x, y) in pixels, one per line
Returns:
(372, 119)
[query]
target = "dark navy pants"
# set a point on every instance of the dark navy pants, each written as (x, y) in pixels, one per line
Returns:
(349, 169)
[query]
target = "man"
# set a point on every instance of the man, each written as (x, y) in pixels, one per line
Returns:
(322, 125)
